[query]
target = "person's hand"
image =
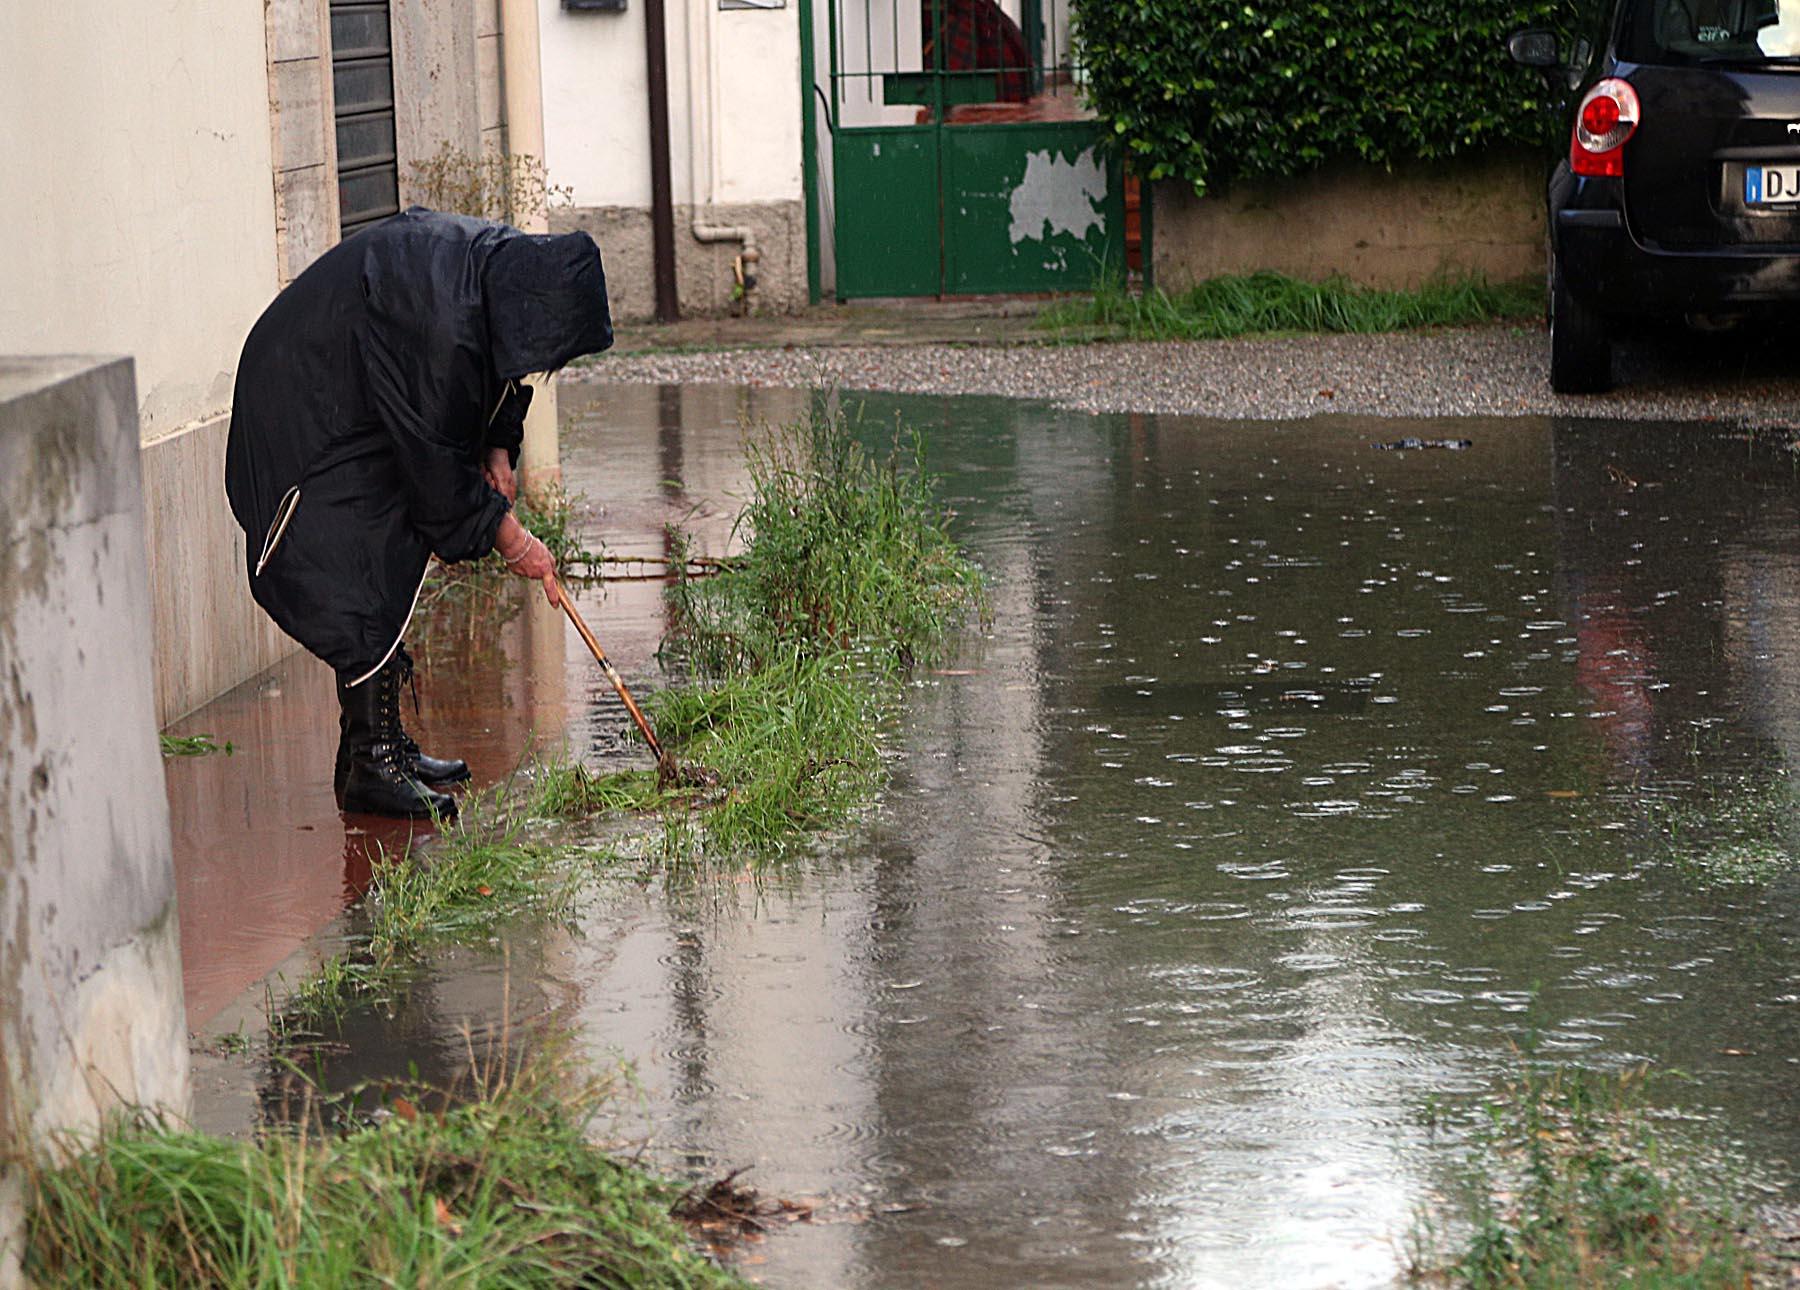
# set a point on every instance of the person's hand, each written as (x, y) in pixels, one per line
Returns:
(498, 471)
(527, 557)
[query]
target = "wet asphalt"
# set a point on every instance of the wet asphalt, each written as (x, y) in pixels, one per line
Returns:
(1744, 377)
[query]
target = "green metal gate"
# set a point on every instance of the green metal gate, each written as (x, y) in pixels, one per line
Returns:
(963, 160)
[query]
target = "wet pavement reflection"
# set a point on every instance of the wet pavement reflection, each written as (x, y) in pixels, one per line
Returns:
(1295, 785)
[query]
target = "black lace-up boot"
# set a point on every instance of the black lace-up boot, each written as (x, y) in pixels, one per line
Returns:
(373, 775)
(432, 770)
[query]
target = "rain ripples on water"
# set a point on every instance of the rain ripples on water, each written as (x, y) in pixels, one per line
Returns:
(1293, 786)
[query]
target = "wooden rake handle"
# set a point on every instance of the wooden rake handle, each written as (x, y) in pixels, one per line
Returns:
(665, 764)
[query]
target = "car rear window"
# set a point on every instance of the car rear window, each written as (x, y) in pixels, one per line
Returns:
(1711, 31)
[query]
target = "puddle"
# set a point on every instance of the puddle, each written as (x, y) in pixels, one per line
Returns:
(1296, 783)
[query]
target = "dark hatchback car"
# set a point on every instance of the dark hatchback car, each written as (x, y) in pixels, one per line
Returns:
(1679, 198)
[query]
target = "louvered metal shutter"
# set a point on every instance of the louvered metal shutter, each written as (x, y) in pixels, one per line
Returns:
(362, 77)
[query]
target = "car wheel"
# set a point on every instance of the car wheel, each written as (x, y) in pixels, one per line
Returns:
(1580, 349)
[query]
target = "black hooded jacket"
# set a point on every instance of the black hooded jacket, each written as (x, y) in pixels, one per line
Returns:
(367, 397)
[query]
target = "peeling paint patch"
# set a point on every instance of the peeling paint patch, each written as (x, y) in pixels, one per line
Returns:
(1058, 196)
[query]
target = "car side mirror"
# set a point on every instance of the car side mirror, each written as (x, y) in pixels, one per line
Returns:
(1534, 48)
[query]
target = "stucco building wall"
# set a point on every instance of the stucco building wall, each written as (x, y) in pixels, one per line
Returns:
(138, 214)
(735, 155)
(168, 170)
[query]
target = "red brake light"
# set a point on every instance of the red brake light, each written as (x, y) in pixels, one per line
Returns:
(1608, 116)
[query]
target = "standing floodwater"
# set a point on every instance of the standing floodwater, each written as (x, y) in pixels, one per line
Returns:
(1297, 782)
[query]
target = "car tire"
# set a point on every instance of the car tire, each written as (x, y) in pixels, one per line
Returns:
(1580, 349)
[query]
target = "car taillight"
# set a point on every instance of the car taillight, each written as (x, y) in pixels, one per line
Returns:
(1606, 119)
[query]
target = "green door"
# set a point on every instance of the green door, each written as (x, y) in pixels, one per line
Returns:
(963, 160)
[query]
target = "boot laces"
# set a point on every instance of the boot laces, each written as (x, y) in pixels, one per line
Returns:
(408, 675)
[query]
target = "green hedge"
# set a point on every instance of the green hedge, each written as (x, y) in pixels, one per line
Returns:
(1214, 90)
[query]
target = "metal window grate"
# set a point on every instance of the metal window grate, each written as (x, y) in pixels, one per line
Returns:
(362, 79)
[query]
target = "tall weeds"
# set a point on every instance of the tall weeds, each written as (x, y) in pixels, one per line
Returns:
(844, 550)
(1264, 303)
(848, 577)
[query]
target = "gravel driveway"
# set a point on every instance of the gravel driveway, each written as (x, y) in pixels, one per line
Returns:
(1485, 371)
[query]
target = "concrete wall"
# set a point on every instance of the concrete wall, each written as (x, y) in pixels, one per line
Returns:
(90, 976)
(734, 124)
(1386, 229)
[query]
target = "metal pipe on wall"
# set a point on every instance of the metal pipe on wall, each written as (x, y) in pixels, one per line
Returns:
(700, 72)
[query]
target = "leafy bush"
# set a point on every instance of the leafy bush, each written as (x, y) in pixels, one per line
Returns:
(1214, 90)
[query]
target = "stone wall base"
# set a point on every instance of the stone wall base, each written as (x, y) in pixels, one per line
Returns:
(209, 633)
(1383, 229)
(703, 271)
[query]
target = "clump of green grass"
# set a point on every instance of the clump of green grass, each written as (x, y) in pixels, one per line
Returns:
(193, 746)
(501, 1190)
(795, 743)
(848, 576)
(480, 869)
(1571, 1187)
(844, 549)
(569, 790)
(1262, 303)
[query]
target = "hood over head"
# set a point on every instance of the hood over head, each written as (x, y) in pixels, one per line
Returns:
(546, 302)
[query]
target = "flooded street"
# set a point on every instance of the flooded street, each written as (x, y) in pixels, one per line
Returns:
(1296, 784)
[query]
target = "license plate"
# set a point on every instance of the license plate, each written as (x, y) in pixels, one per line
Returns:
(1771, 185)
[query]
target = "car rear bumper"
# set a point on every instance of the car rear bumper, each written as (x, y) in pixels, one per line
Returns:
(1608, 269)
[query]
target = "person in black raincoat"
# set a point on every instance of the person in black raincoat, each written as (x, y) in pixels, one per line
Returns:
(376, 422)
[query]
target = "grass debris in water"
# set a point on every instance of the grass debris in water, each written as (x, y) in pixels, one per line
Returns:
(193, 746)
(1571, 1186)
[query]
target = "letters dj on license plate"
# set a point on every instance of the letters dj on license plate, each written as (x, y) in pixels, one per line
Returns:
(1766, 184)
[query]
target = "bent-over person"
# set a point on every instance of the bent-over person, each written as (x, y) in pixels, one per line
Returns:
(376, 421)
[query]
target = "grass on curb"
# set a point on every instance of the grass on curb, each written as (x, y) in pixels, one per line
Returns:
(501, 1190)
(1263, 303)
(1571, 1188)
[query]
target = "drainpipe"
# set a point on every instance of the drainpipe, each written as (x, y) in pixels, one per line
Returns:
(522, 85)
(662, 201)
(700, 71)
